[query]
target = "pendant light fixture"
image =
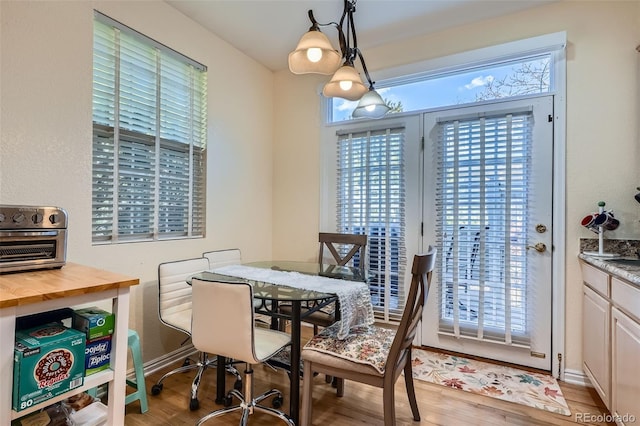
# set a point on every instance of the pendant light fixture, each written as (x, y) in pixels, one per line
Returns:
(314, 54)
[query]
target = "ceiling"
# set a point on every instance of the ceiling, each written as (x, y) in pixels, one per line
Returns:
(267, 30)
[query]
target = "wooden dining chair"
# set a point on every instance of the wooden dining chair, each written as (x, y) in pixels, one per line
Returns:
(344, 248)
(388, 351)
(338, 244)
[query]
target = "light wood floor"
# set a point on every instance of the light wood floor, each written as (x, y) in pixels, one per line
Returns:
(361, 405)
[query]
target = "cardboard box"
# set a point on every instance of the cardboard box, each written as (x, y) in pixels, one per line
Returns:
(97, 355)
(95, 322)
(48, 361)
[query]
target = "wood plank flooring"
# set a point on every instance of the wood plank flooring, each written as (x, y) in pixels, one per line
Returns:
(361, 405)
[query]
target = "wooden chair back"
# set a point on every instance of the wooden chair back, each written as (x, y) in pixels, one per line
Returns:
(423, 265)
(333, 242)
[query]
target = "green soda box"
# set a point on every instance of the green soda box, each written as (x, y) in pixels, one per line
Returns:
(48, 361)
(95, 322)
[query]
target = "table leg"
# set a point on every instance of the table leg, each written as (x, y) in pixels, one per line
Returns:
(220, 379)
(294, 403)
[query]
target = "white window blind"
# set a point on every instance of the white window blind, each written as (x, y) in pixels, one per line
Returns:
(483, 175)
(149, 138)
(371, 200)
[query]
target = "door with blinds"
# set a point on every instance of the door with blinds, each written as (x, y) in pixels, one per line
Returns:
(488, 207)
(371, 186)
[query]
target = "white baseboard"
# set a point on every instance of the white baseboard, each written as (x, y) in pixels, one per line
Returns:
(577, 377)
(159, 363)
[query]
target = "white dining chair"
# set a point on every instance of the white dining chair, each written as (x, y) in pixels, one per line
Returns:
(229, 304)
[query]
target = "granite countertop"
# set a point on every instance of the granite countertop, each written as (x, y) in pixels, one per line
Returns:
(626, 249)
(627, 272)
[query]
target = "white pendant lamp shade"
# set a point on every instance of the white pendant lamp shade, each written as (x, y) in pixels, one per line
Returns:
(371, 105)
(345, 83)
(314, 54)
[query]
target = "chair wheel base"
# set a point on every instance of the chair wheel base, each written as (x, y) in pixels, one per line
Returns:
(156, 389)
(227, 401)
(194, 404)
(277, 402)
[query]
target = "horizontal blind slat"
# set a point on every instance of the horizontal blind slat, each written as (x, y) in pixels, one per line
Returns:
(137, 81)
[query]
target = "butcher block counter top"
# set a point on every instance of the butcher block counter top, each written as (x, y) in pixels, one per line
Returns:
(22, 288)
(42, 290)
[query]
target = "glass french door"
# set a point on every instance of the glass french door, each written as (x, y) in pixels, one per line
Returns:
(487, 205)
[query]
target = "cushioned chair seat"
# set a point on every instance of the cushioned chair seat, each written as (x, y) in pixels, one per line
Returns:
(365, 350)
(181, 320)
(269, 342)
(340, 363)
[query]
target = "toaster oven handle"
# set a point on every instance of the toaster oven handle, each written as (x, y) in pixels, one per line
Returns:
(30, 234)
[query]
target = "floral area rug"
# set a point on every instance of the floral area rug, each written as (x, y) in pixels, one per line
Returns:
(509, 384)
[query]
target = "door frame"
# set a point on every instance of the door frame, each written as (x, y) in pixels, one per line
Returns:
(541, 331)
(556, 42)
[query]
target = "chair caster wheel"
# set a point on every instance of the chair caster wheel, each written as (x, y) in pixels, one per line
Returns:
(186, 362)
(227, 401)
(194, 404)
(237, 385)
(277, 402)
(156, 389)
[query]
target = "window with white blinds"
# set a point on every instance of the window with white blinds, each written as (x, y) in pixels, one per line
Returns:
(371, 200)
(483, 175)
(149, 138)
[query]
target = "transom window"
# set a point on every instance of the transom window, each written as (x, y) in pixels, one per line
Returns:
(529, 75)
(149, 138)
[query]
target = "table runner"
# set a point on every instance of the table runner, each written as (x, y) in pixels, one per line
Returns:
(355, 301)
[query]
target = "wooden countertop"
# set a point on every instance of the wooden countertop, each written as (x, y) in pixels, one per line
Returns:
(22, 288)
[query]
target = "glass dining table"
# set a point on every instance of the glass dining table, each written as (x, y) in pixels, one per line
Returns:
(270, 295)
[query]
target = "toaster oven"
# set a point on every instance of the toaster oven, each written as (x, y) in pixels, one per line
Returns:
(32, 238)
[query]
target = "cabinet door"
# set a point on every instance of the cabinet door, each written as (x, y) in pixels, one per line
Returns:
(625, 368)
(595, 342)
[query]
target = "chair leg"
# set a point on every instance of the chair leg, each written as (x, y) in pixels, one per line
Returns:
(411, 392)
(339, 386)
(307, 394)
(140, 394)
(389, 405)
(248, 402)
(194, 404)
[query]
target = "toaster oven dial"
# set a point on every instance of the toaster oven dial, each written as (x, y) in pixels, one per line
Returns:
(37, 218)
(2, 217)
(18, 217)
(53, 219)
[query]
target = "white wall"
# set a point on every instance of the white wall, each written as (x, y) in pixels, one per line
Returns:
(603, 145)
(263, 178)
(45, 150)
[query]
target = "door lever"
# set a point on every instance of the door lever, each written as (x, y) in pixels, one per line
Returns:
(539, 247)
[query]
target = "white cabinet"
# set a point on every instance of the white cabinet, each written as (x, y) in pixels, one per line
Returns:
(625, 368)
(611, 341)
(595, 342)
